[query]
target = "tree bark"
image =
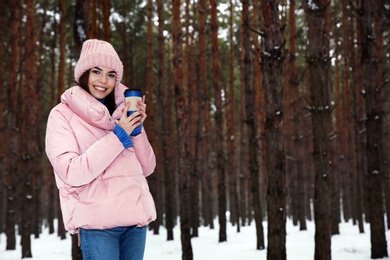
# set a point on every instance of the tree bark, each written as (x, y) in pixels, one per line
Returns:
(61, 89)
(252, 127)
(204, 130)
(30, 139)
(379, 27)
(219, 124)
(164, 102)
(106, 6)
(61, 65)
(77, 254)
(154, 179)
(92, 19)
(193, 113)
(339, 142)
(242, 133)
(359, 126)
(259, 115)
(3, 140)
(342, 123)
(52, 190)
(289, 116)
(373, 123)
(320, 108)
(13, 127)
(80, 26)
(232, 135)
(272, 65)
(182, 132)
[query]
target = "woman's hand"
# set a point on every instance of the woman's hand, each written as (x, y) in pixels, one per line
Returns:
(129, 123)
(142, 108)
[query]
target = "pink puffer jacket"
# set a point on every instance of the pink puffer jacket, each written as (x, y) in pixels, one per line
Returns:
(101, 184)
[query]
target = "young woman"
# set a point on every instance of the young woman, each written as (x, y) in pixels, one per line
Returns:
(99, 165)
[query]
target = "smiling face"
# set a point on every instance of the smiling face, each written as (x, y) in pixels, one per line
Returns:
(101, 82)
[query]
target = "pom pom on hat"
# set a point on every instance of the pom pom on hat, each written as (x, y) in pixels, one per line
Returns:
(97, 53)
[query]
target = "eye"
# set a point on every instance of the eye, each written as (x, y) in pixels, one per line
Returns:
(112, 75)
(96, 72)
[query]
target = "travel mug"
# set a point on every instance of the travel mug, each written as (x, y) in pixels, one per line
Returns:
(133, 95)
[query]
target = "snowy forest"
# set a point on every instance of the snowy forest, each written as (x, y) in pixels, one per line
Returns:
(266, 110)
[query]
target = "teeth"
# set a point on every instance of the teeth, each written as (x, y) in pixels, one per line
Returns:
(100, 88)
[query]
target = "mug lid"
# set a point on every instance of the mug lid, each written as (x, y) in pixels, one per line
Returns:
(133, 92)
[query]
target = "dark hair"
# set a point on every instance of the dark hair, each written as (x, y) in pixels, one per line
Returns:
(109, 101)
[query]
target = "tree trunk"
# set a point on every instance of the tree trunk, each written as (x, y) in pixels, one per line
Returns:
(164, 102)
(41, 173)
(80, 25)
(77, 254)
(253, 130)
(52, 190)
(386, 182)
(182, 132)
(154, 179)
(379, 25)
(272, 65)
(297, 115)
(192, 102)
(13, 128)
(374, 117)
(320, 108)
(204, 119)
(359, 127)
(288, 117)
(61, 65)
(61, 232)
(51, 194)
(338, 143)
(29, 139)
(106, 6)
(61, 89)
(259, 116)
(342, 120)
(92, 19)
(232, 136)
(218, 144)
(3, 93)
(350, 133)
(242, 134)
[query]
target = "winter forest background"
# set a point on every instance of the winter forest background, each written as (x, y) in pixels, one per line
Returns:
(265, 109)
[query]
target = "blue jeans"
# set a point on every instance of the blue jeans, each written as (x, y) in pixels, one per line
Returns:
(120, 243)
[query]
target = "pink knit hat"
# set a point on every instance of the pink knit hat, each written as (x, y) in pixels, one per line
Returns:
(97, 53)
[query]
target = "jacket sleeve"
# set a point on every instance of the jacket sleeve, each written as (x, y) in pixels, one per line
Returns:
(63, 152)
(144, 153)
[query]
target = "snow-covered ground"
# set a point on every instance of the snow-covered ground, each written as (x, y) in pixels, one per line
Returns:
(350, 244)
